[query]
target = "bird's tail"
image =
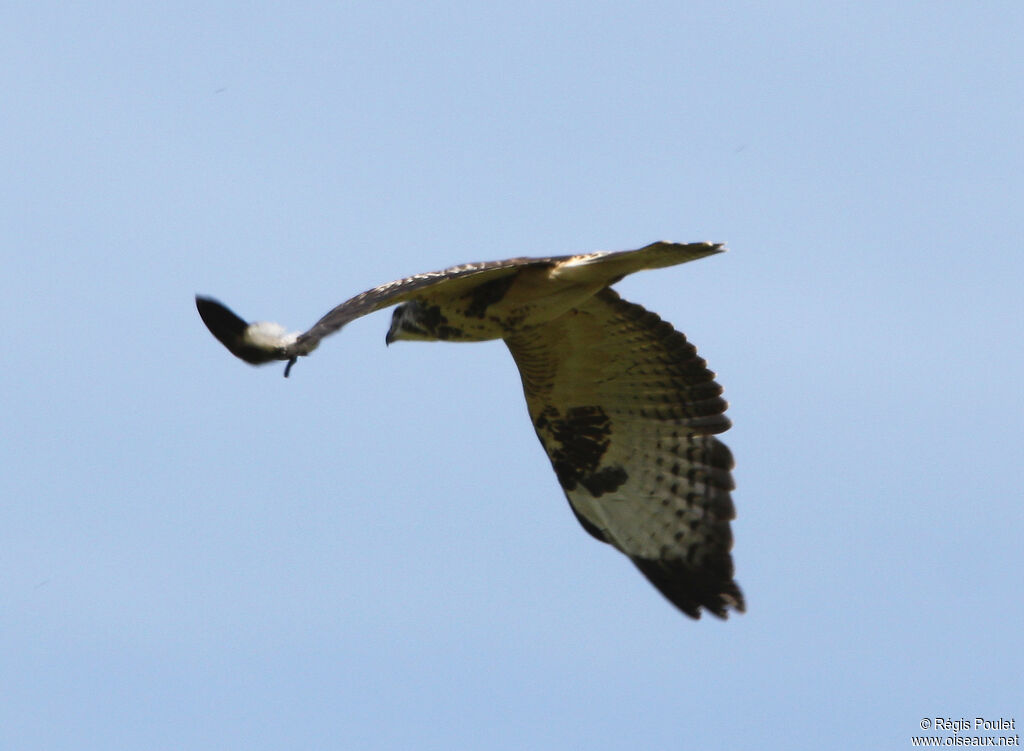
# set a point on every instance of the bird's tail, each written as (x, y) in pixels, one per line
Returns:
(612, 266)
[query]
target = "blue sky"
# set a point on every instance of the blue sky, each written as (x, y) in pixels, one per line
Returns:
(375, 553)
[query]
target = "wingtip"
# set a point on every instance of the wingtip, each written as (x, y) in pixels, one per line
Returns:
(694, 591)
(220, 320)
(256, 344)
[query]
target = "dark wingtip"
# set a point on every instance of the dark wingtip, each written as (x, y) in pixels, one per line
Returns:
(221, 321)
(691, 589)
(230, 330)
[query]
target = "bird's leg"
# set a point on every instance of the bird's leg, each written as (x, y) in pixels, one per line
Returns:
(288, 367)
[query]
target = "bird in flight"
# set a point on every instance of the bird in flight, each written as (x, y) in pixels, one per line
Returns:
(621, 402)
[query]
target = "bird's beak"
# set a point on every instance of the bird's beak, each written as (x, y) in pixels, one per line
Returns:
(389, 338)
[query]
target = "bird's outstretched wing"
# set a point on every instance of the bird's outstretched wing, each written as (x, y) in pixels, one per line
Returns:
(260, 342)
(626, 409)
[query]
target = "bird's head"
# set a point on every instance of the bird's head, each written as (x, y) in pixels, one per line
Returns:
(414, 321)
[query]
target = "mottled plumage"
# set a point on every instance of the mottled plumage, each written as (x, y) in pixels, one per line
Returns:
(623, 405)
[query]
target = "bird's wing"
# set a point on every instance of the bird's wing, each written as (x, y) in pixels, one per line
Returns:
(259, 343)
(456, 280)
(626, 410)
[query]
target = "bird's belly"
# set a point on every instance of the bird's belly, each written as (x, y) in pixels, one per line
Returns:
(531, 299)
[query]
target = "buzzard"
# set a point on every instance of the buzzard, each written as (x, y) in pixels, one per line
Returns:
(623, 405)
